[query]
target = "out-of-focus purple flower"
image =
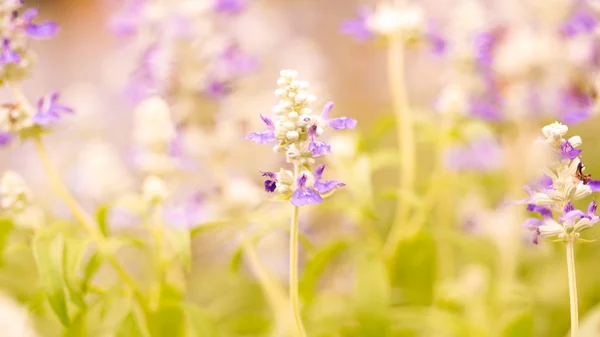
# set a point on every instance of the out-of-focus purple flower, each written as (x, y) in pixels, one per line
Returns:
(436, 40)
(216, 89)
(317, 148)
(594, 185)
(42, 30)
(567, 151)
(545, 183)
(49, 111)
(148, 79)
(305, 195)
(544, 211)
(324, 186)
(576, 105)
(230, 6)
(533, 224)
(487, 107)
(580, 22)
(265, 136)
(478, 156)
(8, 55)
(236, 61)
(5, 138)
(127, 21)
(339, 123)
(187, 216)
(271, 182)
(358, 28)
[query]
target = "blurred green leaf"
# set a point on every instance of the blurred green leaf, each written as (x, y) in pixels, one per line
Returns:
(315, 266)
(168, 321)
(6, 226)
(91, 267)
(180, 241)
(133, 325)
(102, 219)
(78, 327)
(74, 251)
(48, 252)
(198, 322)
(413, 269)
(520, 325)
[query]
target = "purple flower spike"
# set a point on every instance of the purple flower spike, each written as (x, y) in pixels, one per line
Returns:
(265, 136)
(230, 6)
(326, 186)
(271, 183)
(8, 55)
(357, 28)
(305, 195)
(567, 151)
(49, 111)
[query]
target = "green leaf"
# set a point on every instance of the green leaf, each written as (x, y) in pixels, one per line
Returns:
(48, 253)
(520, 325)
(413, 269)
(198, 322)
(236, 259)
(6, 226)
(180, 241)
(315, 266)
(78, 327)
(134, 324)
(74, 251)
(92, 266)
(102, 219)
(372, 292)
(168, 321)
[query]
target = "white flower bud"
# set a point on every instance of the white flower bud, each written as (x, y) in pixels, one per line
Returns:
(281, 93)
(279, 110)
(555, 131)
(14, 193)
(292, 136)
(293, 115)
(295, 84)
(154, 190)
(311, 98)
(288, 125)
(575, 141)
(281, 82)
(301, 98)
(292, 94)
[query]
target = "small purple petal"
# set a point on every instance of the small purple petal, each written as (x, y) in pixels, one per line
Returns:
(261, 137)
(305, 196)
(301, 181)
(318, 148)
(326, 110)
(568, 207)
(591, 210)
(572, 216)
(545, 182)
(544, 211)
(535, 236)
(43, 30)
(532, 223)
(567, 151)
(342, 123)
(312, 131)
(326, 186)
(29, 15)
(594, 185)
(270, 185)
(357, 28)
(271, 175)
(319, 172)
(268, 122)
(216, 89)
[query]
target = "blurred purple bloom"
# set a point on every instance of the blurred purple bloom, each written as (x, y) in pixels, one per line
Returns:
(5, 138)
(487, 107)
(545, 182)
(594, 185)
(127, 21)
(533, 225)
(237, 62)
(316, 147)
(576, 105)
(544, 211)
(187, 216)
(271, 182)
(217, 89)
(339, 123)
(436, 40)
(8, 55)
(482, 155)
(230, 6)
(324, 186)
(357, 28)
(265, 136)
(42, 30)
(305, 195)
(580, 22)
(49, 111)
(567, 151)
(147, 80)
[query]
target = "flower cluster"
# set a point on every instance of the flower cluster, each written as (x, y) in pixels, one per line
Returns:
(16, 29)
(563, 183)
(298, 129)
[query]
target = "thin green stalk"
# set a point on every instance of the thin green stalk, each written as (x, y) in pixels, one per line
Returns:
(294, 297)
(572, 287)
(406, 142)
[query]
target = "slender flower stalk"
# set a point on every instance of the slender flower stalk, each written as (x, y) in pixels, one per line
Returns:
(294, 297)
(406, 142)
(570, 245)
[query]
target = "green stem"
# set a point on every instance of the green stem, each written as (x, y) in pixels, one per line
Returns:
(294, 297)
(406, 142)
(572, 287)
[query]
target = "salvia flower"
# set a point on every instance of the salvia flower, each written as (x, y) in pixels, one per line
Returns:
(298, 130)
(563, 183)
(49, 111)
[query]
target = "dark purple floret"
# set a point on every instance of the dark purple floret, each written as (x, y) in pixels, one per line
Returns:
(271, 183)
(568, 207)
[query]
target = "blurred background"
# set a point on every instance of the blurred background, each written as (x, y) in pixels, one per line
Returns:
(482, 78)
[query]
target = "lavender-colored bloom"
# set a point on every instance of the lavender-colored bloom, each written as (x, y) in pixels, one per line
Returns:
(127, 22)
(265, 136)
(487, 107)
(230, 6)
(271, 182)
(49, 111)
(305, 195)
(317, 148)
(482, 155)
(8, 55)
(568, 207)
(533, 225)
(324, 186)
(358, 28)
(594, 185)
(5, 138)
(42, 30)
(567, 151)
(436, 40)
(217, 89)
(581, 22)
(544, 211)
(236, 61)
(545, 182)
(576, 105)
(591, 210)
(339, 123)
